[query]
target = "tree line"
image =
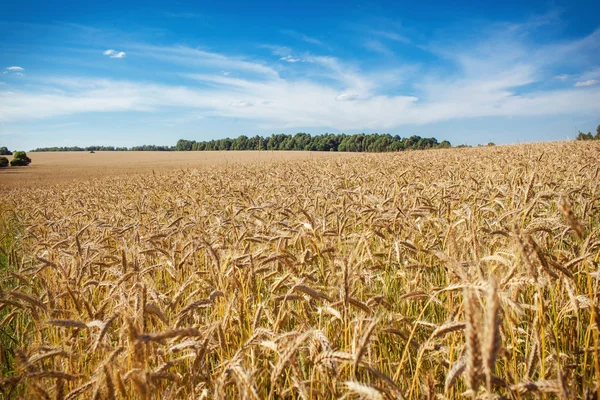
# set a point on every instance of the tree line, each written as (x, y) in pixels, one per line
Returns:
(326, 142)
(300, 142)
(589, 136)
(77, 148)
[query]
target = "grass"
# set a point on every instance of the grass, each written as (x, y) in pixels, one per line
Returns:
(446, 273)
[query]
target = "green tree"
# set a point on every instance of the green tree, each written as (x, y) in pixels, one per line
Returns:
(598, 133)
(3, 162)
(585, 136)
(20, 159)
(184, 145)
(5, 152)
(374, 142)
(241, 143)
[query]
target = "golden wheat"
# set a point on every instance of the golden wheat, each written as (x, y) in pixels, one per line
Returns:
(433, 274)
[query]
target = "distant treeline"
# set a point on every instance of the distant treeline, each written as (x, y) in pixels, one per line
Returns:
(146, 147)
(300, 141)
(589, 136)
(77, 148)
(327, 142)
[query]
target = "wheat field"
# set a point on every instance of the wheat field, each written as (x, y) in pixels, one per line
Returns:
(59, 168)
(459, 273)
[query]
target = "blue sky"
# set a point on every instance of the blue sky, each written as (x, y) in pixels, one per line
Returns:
(84, 73)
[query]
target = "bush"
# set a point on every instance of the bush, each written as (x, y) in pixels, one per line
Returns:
(3, 162)
(20, 159)
(5, 152)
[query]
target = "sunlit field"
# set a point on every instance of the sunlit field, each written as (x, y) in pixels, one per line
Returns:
(425, 274)
(55, 168)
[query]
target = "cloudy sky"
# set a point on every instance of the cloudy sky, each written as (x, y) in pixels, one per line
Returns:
(83, 73)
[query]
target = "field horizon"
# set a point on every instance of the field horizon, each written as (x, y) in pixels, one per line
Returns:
(63, 167)
(50, 168)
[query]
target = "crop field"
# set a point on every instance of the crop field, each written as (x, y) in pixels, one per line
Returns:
(458, 273)
(55, 168)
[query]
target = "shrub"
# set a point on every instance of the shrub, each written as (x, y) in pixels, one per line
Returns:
(20, 159)
(3, 162)
(5, 151)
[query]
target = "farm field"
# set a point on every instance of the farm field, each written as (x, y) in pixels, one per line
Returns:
(428, 274)
(53, 168)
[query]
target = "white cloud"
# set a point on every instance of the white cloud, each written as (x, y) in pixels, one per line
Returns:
(13, 71)
(347, 97)
(281, 51)
(586, 83)
(295, 104)
(289, 59)
(242, 104)
(114, 54)
(279, 103)
(562, 77)
(482, 79)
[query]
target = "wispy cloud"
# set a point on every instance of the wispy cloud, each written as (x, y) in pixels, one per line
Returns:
(192, 58)
(242, 104)
(289, 59)
(562, 77)
(13, 71)
(302, 36)
(590, 82)
(347, 97)
(377, 47)
(489, 77)
(114, 54)
(391, 35)
(582, 52)
(280, 51)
